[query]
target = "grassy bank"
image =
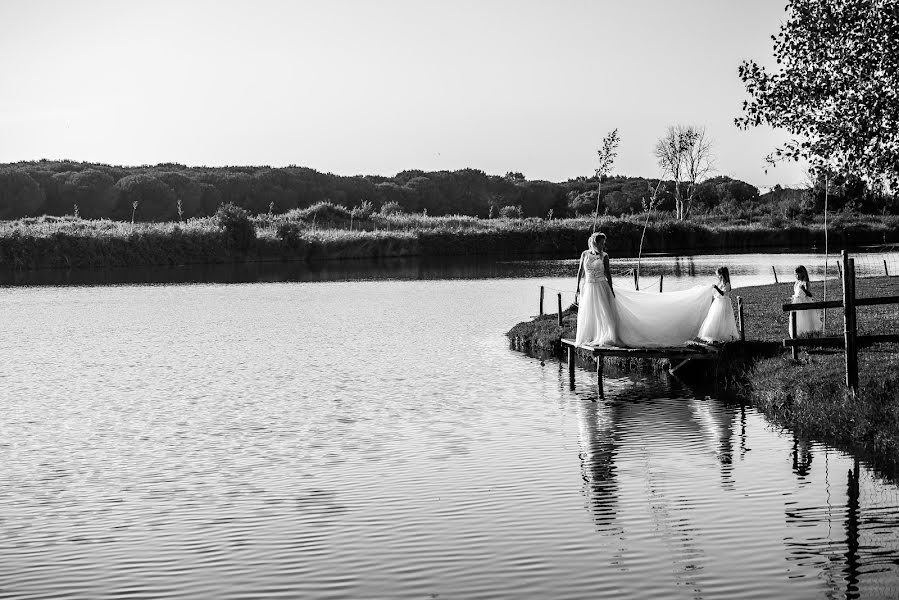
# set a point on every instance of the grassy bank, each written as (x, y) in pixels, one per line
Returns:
(334, 233)
(807, 395)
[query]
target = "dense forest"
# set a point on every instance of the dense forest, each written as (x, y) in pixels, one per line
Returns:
(169, 192)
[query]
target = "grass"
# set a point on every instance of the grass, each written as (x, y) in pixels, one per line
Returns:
(324, 232)
(807, 395)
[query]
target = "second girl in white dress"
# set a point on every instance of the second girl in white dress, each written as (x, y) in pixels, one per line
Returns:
(808, 322)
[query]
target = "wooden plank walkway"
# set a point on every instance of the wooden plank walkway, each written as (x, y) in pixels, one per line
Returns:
(691, 351)
(685, 353)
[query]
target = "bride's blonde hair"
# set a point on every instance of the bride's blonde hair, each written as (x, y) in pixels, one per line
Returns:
(591, 241)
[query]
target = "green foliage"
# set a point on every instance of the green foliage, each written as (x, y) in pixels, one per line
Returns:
(235, 222)
(20, 195)
(291, 234)
(391, 208)
(323, 214)
(155, 200)
(102, 191)
(835, 89)
(363, 211)
(510, 212)
(91, 189)
(810, 396)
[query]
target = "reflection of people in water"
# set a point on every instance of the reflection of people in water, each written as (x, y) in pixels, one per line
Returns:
(802, 457)
(717, 424)
(597, 423)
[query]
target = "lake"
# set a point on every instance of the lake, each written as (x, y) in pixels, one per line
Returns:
(364, 431)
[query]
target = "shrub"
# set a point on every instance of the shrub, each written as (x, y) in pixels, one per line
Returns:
(510, 212)
(290, 233)
(239, 230)
(391, 208)
(321, 213)
(363, 211)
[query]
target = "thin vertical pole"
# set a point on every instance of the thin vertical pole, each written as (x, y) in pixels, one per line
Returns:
(541, 300)
(742, 322)
(885, 269)
(775, 274)
(560, 309)
(853, 314)
(849, 322)
(661, 279)
(636, 281)
(840, 270)
(826, 250)
(793, 334)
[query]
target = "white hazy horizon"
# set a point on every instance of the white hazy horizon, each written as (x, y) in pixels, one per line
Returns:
(375, 88)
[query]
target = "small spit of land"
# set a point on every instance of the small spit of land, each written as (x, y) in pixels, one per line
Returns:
(807, 395)
(327, 231)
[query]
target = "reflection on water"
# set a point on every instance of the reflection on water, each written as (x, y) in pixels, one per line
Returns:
(678, 271)
(379, 439)
(646, 464)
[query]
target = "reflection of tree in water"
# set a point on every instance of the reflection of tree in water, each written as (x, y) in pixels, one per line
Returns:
(854, 537)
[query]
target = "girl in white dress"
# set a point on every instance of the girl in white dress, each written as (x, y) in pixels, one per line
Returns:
(808, 322)
(720, 324)
(597, 315)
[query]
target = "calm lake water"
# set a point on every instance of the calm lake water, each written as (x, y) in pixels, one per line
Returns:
(309, 437)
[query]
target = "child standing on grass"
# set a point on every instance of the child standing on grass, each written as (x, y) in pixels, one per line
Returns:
(808, 322)
(720, 324)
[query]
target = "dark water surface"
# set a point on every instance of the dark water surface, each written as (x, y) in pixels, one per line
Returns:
(378, 439)
(680, 271)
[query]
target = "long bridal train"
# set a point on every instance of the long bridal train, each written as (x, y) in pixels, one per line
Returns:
(647, 319)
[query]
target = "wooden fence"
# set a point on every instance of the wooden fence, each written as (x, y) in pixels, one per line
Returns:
(850, 339)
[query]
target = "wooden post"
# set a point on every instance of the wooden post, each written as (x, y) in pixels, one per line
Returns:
(840, 269)
(636, 281)
(854, 383)
(560, 309)
(775, 274)
(661, 279)
(599, 369)
(849, 322)
(742, 322)
(885, 269)
(571, 360)
(794, 334)
(541, 300)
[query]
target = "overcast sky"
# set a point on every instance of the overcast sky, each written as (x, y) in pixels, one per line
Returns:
(379, 86)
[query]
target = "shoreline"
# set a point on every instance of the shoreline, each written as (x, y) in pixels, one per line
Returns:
(69, 243)
(807, 395)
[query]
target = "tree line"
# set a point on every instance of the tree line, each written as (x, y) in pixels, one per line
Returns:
(168, 192)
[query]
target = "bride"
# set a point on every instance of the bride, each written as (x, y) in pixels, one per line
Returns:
(632, 318)
(597, 314)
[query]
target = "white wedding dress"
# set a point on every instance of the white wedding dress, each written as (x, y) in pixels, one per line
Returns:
(808, 322)
(597, 317)
(651, 319)
(637, 319)
(720, 325)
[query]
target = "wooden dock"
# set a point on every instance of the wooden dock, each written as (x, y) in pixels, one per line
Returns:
(684, 354)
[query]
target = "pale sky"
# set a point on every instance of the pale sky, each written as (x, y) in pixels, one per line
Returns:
(380, 86)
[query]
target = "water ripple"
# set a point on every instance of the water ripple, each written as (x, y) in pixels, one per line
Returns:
(379, 440)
